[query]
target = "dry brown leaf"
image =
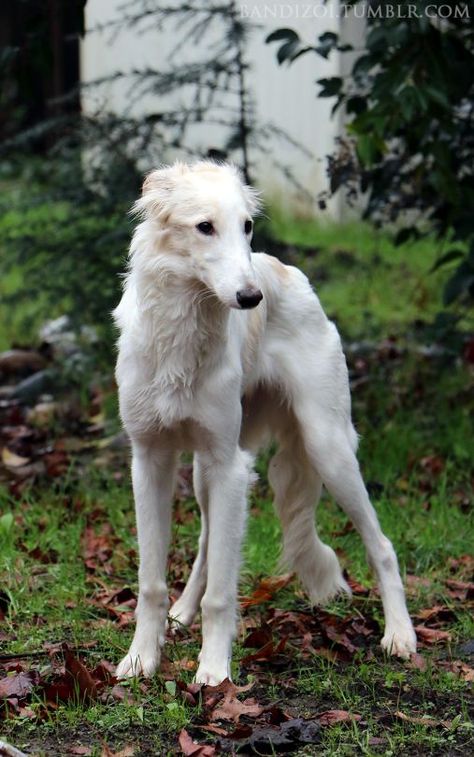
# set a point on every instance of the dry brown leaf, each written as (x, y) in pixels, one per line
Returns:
(82, 678)
(417, 661)
(431, 635)
(467, 586)
(459, 668)
(127, 751)
(439, 613)
(223, 704)
(18, 685)
(330, 717)
(415, 583)
(423, 720)
(191, 748)
(266, 589)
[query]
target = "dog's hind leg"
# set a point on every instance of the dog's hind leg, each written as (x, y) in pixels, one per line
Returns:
(297, 489)
(185, 608)
(330, 443)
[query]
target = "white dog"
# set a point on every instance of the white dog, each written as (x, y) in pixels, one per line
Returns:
(220, 350)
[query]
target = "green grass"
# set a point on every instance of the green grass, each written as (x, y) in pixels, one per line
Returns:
(422, 514)
(416, 452)
(366, 284)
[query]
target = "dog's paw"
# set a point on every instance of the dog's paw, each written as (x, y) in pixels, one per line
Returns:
(210, 677)
(212, 673)
(180, 615)
(135, 664)
(401, 643)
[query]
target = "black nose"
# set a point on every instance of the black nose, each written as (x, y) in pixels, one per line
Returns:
(249, 298)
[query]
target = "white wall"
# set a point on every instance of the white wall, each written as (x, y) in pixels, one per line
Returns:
(284, 95)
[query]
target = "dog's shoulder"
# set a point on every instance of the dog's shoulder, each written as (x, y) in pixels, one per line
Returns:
(280, 281)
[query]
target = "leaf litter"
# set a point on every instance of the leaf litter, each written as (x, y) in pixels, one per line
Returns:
(33, 449)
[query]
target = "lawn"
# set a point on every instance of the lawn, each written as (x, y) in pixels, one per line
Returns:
(318, 683)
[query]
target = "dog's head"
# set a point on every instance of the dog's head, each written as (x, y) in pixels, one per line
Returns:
(203, 216)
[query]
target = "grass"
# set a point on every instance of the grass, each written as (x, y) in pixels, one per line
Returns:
(416, 453)
(367, 285)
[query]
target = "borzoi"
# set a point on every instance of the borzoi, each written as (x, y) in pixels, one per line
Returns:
(220, 350)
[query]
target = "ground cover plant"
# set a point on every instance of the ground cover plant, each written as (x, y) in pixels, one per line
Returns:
(306, 681)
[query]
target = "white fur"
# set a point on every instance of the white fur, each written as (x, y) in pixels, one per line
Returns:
(195, 372)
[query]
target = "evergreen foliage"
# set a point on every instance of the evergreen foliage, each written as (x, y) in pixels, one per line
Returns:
(409, 105)
(69, 230)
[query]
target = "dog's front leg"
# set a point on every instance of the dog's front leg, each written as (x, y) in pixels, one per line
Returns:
(153, 479)
(227, 483)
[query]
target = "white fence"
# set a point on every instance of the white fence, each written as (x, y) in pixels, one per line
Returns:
(284, 95)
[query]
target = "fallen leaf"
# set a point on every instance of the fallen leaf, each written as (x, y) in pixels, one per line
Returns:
(431, 635)
(83, 680)
(219, 731)
(127, 751)
(191, 748)
(433, 464)
(341, 639)
(18, 685)
(269, 650)
(266, 589)
(463, 564)
(258, 637)
(222, 703)
(57, 463)
(467, 587)
(415, 583)
(438, 613)
(330, 717)
(417, 661)
(423, 720)
(11, 460)
(357, 588)
(459, 668)
(104, 672)
(81, 750)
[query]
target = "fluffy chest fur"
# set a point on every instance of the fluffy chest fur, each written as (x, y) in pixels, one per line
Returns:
(176, 340)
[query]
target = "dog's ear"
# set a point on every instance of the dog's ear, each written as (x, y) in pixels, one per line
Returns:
(158, 180)
(253, 200)
(157, 189)
(252, 196)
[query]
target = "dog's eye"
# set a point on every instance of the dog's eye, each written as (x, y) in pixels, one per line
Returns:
(205, 228)
(248, 226)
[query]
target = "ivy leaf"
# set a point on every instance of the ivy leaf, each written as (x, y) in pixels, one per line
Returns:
(330, 87)
(366, 149)
(356, 104)
(328, 41)
(288, 50)
(289, 34)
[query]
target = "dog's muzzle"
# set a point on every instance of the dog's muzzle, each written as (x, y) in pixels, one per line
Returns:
(249, 298)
